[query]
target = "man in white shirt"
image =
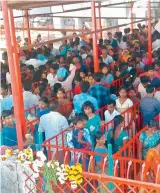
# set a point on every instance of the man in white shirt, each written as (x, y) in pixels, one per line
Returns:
(52, 76)
(52, 124)
(106, 58)
(142, 86)
(110, 113)
(53, 50)
(29, 98)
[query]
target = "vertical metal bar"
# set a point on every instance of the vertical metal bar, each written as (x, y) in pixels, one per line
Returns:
(26, 24)
(15, 76)
(149, 33)
(131, 6)
(99, 14)
(95, 48)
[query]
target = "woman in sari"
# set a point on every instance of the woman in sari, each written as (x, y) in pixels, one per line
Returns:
(148, 139)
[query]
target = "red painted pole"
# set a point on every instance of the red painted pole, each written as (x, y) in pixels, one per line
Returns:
(149, 34)
(100, 24)
(131, 5)
(26, 24)
(15, 76)
(95, 48)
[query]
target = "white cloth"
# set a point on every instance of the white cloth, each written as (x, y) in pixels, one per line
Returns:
(123, 45)
(156, 44)
(8, 78)
(36, 63)
(157, 95)
(142, 91)
(51, 80)
(67, 84)
(55, 52)
(109, 117)
(52, 124)
(30, 99)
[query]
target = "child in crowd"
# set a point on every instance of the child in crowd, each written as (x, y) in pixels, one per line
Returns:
(55, 89)
(43, 107)
(52, 76)
(65, 107)
(77, 81)
(84, 74)
(125, 56)
(93, 123)
(91, 80)
(107, 76)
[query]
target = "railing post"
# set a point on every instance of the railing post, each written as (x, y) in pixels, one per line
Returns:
(110, 165)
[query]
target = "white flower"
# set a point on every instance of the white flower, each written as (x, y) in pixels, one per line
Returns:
(56, 164)
(58, 173)
(41, 155)
(63, 166)
(73, 186)
(35, 175)
(27, 163)
(59, 169)
(35, 167)
(61, 181)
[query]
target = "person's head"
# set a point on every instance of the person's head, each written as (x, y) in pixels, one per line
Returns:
(138, 57)
(30, 69)
(19, 39)
(91, 79)
(50, 46)
(4, 90)
(83, 73)
(125, 53)
(131, 92)
(97, 77)
(8, 118)
(144, 80)
(54, 105)
(123, 67)
(150, 90)
(44, 81)
(80, 121)
(39, 51)
(62, 60)
(136, 44)
(118, 122)
(150, 71)
(43, 103)
(88, 108)
(111, 105)
(83, 50)
(85, 86)
(89, 60)
(56, 87)
(39, 38)
(104, 68)
(157, 66)
(109, 35)
(53, 68)
(61, 93)
(152, 124)
(27, 86)
(104, 50)
(123, 92)
(23, 67)
(111, 52)
(77, 79)
(75, 60)
(100, 138)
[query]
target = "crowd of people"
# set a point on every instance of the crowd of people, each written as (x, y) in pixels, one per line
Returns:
(49, 74)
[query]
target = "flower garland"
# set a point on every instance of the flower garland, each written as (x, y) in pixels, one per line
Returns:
(52, 171)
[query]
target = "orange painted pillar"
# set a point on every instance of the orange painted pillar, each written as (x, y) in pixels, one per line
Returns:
(26, 24)
(131, 5)
(95, 47)
(100, 24)
(149, 33)
(15, 76)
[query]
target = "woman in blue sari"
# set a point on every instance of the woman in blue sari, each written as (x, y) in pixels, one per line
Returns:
(148, 139)
(43, 107)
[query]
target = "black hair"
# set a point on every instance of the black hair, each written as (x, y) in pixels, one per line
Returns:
(150, 67)
(44, 99)
(98, 136)
(152, 123)
(62, 90)
(44, 81)
(124, 38)
(104, 47)
(55, 88)
(157, 63)
(123, 88)
(149, 89)
(116, 121)
(79, 117)
(30, 67)
(97, 76)
(102, 65)
(42, 88)
(88, 104)
(6, 113)
(144, 79)
(4, 86)
(22, 65)
(27, 85)
(77, 78)
(83, 47)
(113, 90)
(109, 33)
(54, 66)
(54, 105)
(111, 102)
(85, 86)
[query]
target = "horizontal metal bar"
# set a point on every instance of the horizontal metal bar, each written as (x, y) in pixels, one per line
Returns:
(48, 29)
(80, 35)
